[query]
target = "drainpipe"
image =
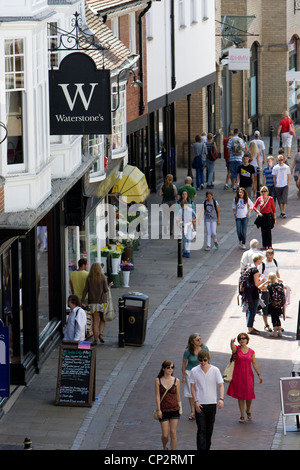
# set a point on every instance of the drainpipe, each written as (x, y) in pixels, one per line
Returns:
(141, 72)
(172, 16)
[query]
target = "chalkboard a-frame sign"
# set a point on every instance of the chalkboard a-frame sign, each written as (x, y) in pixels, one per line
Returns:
(76, 375)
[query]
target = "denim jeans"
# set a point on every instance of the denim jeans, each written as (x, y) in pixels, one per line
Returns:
(252, 308)
(199, 177)
(210, 171)
(241, 229)
(205, 425)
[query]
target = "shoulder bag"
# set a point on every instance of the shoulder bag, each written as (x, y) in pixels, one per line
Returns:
(291, 128)
(155, 412)
(109, 312)
(228, 372)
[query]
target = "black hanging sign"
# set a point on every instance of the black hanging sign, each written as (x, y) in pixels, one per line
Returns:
(79, 97)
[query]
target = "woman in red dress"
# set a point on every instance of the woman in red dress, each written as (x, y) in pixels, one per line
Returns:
(242, 384)
(267, 216)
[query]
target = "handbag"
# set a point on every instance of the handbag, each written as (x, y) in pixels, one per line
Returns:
(291, 129)
(258, 221)
(228, 372)
(197, 162)
(155, 412)
(109, 312)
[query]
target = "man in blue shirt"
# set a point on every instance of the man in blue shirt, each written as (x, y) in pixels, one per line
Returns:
(268, 177)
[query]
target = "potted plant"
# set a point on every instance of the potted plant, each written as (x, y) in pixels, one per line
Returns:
(115, 258)
(126, 267)
(105, 251)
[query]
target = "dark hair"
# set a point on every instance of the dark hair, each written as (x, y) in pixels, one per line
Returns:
(198, 138)
(191, 346)
(243, 334)
(204, 354)
(245, 197)
(82, 262)
(164, 365)
(75, 300)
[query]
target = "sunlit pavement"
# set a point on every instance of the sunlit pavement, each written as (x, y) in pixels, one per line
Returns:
(204, 300)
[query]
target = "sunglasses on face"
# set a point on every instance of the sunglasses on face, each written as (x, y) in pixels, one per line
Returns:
(242, 338)
(170, 367)
(202, 360)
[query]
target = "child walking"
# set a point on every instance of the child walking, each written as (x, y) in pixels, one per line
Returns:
(212, 219)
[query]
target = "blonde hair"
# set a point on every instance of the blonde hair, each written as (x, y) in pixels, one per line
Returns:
(257, 258)
(270, 157)
(96, 272)
(265, 188)
(272, 277)
(253, 150)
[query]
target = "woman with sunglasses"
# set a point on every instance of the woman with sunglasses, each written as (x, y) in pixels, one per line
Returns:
(168, 402)
(190, 360)
(264, 206)
(241, 386)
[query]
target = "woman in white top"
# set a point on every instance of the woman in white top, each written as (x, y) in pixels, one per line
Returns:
(242, 207)
(76, 326)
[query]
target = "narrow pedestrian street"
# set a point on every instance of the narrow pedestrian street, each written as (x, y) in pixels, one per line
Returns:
(204, 300)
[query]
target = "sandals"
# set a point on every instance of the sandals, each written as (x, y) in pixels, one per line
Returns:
(249, 415)
(101, 338)
(242, 419)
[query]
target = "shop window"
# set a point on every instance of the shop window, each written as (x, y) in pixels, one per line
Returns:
(181, 13)
(14, 86)
(118, 121)
(52, 45)
(96, 147)
(293, 85)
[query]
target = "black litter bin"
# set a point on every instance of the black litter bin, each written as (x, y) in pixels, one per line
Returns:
(135, 314)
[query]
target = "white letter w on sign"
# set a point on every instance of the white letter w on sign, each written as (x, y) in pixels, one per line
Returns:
(79, 91)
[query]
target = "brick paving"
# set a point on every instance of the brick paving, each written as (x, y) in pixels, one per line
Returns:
(204, 301)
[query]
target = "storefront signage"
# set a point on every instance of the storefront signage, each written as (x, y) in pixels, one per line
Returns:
(4, 361)
(290, 397)
(76, 374)
(292, 76)
(80, 97)
(239, 59)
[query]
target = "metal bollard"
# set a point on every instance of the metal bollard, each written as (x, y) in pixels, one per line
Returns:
(271, 140)
(121, 323)
(179, 260)
(27, 443)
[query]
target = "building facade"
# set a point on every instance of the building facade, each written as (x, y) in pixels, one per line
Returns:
(54, 187)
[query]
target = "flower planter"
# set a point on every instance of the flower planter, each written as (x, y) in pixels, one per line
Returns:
(126, 276)
(115, 265)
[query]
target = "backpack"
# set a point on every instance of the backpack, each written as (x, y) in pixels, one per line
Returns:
(236, 148)
(278, 296)
(212, 152)
(264, 266)
(244, 281)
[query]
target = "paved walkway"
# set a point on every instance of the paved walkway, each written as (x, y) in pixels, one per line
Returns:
(204, 300)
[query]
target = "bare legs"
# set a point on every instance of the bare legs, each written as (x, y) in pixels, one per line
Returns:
(242, 409)
(98, 329)
(165, 433)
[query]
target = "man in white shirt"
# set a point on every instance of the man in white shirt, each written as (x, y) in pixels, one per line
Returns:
(247, 257)
(281, 177)
(204, 380)
(261, 148)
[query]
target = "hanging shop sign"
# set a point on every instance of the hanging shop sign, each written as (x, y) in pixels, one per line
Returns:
(239, 59)
(4, 361)
(79, 97)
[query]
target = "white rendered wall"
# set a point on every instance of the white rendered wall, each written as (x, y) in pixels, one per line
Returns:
(14, 8)
(194, 47)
